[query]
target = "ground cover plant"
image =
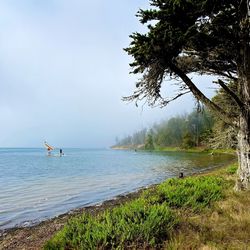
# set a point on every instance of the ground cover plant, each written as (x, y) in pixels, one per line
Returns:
(135, 223)
(226, 225)
(145, 222)
(192, 192)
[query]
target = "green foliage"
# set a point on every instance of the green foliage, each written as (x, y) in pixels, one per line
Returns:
(232, 169)
(224, 135)
(170, 132)
(187, 141)
(149, 143)
(185, 131)
(138, 138)
(192, 192)
(184, 36)
(143, 223)
(134, 223)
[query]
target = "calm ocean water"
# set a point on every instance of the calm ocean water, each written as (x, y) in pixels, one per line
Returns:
(34, 187)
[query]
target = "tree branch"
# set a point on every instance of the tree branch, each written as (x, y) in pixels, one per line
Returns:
(231, 93)
(165, 102)
(227, 75)
(200, 96)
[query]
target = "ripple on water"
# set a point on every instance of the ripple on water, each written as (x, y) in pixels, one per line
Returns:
(35, 187)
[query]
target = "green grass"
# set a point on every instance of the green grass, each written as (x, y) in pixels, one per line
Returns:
(195, 150)
(145, 222)
(225, 225)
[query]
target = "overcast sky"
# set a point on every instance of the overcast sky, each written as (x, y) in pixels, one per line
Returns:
(63, 73)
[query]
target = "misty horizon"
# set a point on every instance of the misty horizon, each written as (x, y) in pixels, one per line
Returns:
(64, 73)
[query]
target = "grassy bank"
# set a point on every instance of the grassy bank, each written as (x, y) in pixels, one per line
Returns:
(196, 150)
(191, 213)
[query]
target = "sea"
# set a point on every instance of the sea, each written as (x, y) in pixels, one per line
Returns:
(35, 187)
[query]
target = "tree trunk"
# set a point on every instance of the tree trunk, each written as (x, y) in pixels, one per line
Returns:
(243, 181)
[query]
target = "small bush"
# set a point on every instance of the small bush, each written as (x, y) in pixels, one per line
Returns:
(145, 222)
(232, 169)
(192, 192)
(136, 223)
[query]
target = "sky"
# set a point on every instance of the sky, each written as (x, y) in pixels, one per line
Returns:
(63, 73)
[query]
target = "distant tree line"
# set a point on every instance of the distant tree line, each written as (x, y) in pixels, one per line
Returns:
(196, 129)
(202, 127)
(138, 138)
(188, 130)
(185, 131)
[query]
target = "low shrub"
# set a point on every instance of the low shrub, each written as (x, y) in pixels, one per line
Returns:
(142, 223)
(135, 223)
(191, 192)
(232, 169)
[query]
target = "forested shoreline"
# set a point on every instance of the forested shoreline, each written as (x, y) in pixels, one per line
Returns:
(200, 128)
(196, 129)
(188, 130)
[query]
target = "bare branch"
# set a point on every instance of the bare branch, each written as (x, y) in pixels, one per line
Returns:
(176, 97)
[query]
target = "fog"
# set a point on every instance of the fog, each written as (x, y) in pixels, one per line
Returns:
(63, 73)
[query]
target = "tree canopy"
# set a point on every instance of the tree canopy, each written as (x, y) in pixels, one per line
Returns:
(186, 36)
(203, 37)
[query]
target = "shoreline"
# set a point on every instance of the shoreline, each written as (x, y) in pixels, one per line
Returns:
(33, 237)
(176, 149)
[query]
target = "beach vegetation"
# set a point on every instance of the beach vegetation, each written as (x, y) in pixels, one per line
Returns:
(191, 193)
(147, 222)
(225, 225)
(232, 169)
(134, 224)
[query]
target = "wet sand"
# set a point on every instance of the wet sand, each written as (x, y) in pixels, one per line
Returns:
(35, 236)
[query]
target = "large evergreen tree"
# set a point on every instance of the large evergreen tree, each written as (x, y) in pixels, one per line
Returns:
(204, 37)
(224, 135)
